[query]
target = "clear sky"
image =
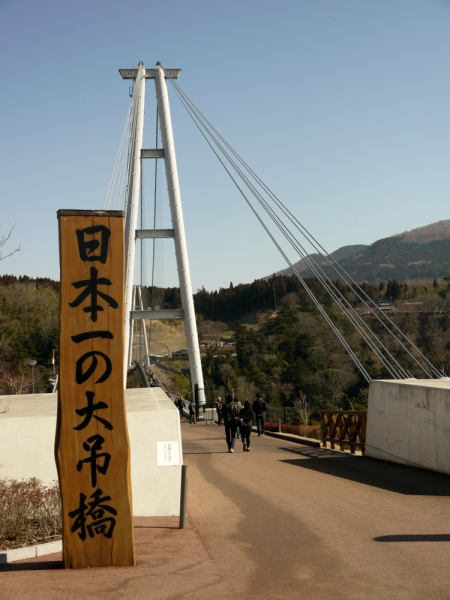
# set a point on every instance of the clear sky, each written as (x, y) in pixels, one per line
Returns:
(341, 106)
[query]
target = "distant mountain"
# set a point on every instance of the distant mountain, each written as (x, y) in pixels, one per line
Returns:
(420, 253)
(338, 255)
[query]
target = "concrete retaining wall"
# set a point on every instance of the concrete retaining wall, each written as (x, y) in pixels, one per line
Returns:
(408, 422)
(27, 437)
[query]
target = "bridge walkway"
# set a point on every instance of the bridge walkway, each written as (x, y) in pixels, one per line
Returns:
(288, 521)
(281, 521)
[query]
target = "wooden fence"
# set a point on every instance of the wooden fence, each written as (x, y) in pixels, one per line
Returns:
(344, 428)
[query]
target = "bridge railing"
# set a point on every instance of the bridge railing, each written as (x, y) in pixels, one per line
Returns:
(344, 428)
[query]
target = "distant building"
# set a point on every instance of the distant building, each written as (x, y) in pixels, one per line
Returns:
(180, 353)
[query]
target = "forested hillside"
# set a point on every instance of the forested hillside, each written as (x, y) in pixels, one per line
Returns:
(282, 344)
(28, 330)
(293, 350)
(237, 301)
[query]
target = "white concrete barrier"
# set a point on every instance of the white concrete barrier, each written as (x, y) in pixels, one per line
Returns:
(408, 422)
(27, 437)
(9, 556)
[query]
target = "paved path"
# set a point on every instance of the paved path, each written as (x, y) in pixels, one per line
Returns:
(281, 521)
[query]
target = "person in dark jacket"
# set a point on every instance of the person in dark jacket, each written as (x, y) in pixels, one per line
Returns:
(246, 418)
(192, 413)
(179, 405)
(219, 411)
(259, 408)
(229, 417)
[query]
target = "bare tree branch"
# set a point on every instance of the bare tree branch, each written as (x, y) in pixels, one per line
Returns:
(3, 241)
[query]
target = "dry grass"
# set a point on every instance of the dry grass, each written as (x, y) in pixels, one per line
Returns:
(30, 513)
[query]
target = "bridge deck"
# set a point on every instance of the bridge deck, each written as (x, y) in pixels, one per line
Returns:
(282, 521)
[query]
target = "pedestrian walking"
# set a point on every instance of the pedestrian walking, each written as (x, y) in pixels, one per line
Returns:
(259, 408)
(192, 413)
(219, 410)
(179, 405)
(238, 407)
(246, 419)
(230, 417)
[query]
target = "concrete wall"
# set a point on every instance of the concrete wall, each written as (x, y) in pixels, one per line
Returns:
(27, 437)
(152, 417)
(408, 422)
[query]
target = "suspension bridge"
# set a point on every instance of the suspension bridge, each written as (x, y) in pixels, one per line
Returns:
(288, 235)
(397, 355)
(290, 507)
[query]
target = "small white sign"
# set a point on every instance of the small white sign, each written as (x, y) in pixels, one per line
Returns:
(167, 454)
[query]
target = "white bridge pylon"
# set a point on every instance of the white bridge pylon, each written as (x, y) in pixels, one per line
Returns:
(132, 233)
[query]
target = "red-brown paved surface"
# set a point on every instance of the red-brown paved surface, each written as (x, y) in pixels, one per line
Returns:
(281, 521)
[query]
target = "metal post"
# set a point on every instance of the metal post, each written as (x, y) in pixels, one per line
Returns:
(197, 412)
(279, 425)
(32, 364)
(176, 211)
(183, 496)
(143, 329)
(131, 222)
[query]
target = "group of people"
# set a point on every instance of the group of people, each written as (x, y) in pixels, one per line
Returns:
(238, 419)
(152, 381)
(191, 408)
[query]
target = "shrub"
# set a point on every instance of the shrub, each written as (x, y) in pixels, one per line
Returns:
(30, 513)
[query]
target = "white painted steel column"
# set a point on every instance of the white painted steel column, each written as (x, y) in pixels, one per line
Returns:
(134, 183)
(176, 212)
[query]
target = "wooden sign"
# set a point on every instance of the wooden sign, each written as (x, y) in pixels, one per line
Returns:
(92, 448)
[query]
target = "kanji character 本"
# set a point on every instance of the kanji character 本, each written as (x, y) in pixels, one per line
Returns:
(91, 289)
(87, 247)
(88, 412)
(96, 442)
(99, 525)
(82, 376)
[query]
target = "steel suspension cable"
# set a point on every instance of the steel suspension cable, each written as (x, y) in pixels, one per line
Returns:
(318, 248)
(309, 292)
(117, 162)
(328, 285)
(310, 261)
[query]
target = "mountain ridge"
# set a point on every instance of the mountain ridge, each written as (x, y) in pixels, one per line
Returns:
(423, 252)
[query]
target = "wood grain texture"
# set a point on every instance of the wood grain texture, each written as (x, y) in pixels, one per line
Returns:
(100, 534)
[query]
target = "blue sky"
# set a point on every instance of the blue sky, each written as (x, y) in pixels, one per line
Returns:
(341, 106)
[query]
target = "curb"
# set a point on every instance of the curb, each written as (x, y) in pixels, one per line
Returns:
(288, 437)
(8, 556)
